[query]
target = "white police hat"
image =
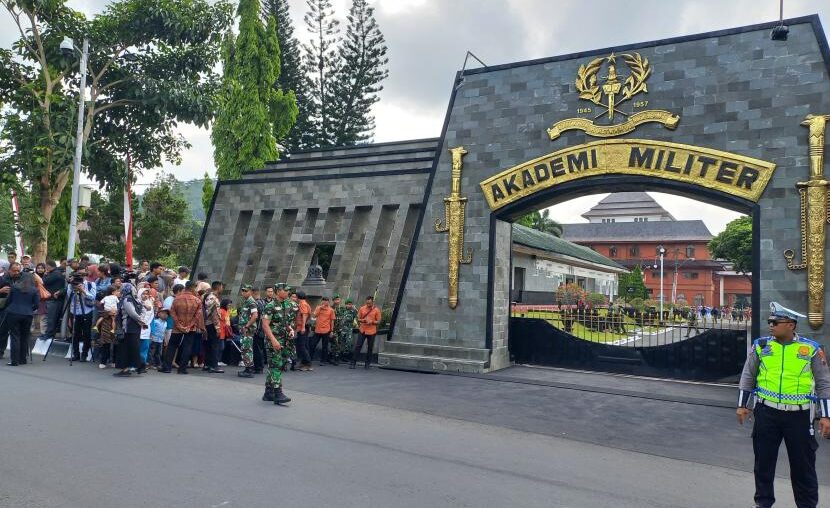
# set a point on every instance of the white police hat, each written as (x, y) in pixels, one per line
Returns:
(779, 311)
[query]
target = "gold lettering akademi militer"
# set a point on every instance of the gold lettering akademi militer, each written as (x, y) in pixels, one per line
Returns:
(727, 172)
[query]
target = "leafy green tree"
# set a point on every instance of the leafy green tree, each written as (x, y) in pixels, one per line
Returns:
(597, 299)
(7, 242)
(207, 193)
(165, 229)
(59, 228)
(735, 244)
(541, 221)
(361, 67)
(631, 285)
(321, 65)
(104, 234)
(252, 112)
(150, 67)
(292, 76)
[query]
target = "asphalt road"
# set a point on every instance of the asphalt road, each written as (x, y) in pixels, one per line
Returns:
(77, 437)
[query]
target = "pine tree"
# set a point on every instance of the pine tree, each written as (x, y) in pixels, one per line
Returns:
(207, 193)
(361, 69)
(292, 76)
(320, 66)
(252, 113)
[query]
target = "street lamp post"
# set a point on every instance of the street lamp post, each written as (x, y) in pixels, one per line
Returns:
(662, 252)
(68, 45)
(677, 265)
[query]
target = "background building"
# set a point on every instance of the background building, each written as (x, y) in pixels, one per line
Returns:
(541, 262)
(630, 227)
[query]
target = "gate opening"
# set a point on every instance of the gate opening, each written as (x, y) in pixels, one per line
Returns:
(629, 282)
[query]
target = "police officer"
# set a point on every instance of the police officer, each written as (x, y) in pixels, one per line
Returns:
(787, 373)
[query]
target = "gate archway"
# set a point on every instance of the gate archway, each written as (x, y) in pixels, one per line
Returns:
(735, 93)
(562, 334)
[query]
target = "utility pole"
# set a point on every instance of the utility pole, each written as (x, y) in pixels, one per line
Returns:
(79, 141)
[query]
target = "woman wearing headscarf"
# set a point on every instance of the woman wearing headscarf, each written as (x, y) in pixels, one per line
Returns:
(131, 324)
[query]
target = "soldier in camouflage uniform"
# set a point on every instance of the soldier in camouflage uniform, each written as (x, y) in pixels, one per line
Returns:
(248, 316)
(277, 322)
(345, 316)
(335, 345)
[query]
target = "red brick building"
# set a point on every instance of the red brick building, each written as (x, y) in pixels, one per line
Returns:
(630, 228)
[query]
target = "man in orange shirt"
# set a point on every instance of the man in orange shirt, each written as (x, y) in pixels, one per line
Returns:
(301, 325)
(368, 317)
(323, 327)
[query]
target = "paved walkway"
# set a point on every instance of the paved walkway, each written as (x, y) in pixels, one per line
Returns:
(519, 437)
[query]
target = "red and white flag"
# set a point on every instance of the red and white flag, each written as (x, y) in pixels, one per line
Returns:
(18, 238)
(128, 226)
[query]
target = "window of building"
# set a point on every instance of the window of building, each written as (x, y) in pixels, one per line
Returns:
(690, 275)
(690, 251)
(609, 220)
(698, 299)
(612, 252)
(634, 251)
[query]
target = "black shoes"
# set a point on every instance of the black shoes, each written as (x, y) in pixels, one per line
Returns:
(215, 371)
(245, 373)
(165, 371)
(352, 365)
(181, 371)
(268, 396)
(280, 398)
(123, 373)
(12, 364)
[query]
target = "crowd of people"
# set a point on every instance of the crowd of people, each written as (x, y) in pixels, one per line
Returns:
(155, 318)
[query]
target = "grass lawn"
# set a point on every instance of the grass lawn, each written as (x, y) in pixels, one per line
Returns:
(581, 331)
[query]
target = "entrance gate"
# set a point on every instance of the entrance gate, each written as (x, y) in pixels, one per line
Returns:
(719, 117)
(731, 118)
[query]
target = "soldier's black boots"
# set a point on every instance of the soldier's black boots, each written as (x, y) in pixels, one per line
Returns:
(280, 398)
(245, 373)
(268, 395)
(352, 364)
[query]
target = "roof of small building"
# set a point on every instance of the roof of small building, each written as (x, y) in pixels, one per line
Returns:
(529, 237)
(627, 203)
(652, 231)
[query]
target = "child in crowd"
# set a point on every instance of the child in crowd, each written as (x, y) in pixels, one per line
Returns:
(106, 327)
(110, 304)
(157, 333)
(146, 297)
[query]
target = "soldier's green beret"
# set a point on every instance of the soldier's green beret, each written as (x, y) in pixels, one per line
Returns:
(335, 295)
(246, 287)
(349, 300)
(288, 288)
(279, 285)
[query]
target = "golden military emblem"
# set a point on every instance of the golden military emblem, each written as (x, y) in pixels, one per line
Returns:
(610, 91)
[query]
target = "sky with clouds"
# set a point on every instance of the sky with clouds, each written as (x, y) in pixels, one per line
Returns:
(427, 41)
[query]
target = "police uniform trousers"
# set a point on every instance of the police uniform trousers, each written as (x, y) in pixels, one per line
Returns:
(794, 428)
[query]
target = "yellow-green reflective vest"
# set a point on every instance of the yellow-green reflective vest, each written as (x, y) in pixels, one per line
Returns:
(785, 375)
